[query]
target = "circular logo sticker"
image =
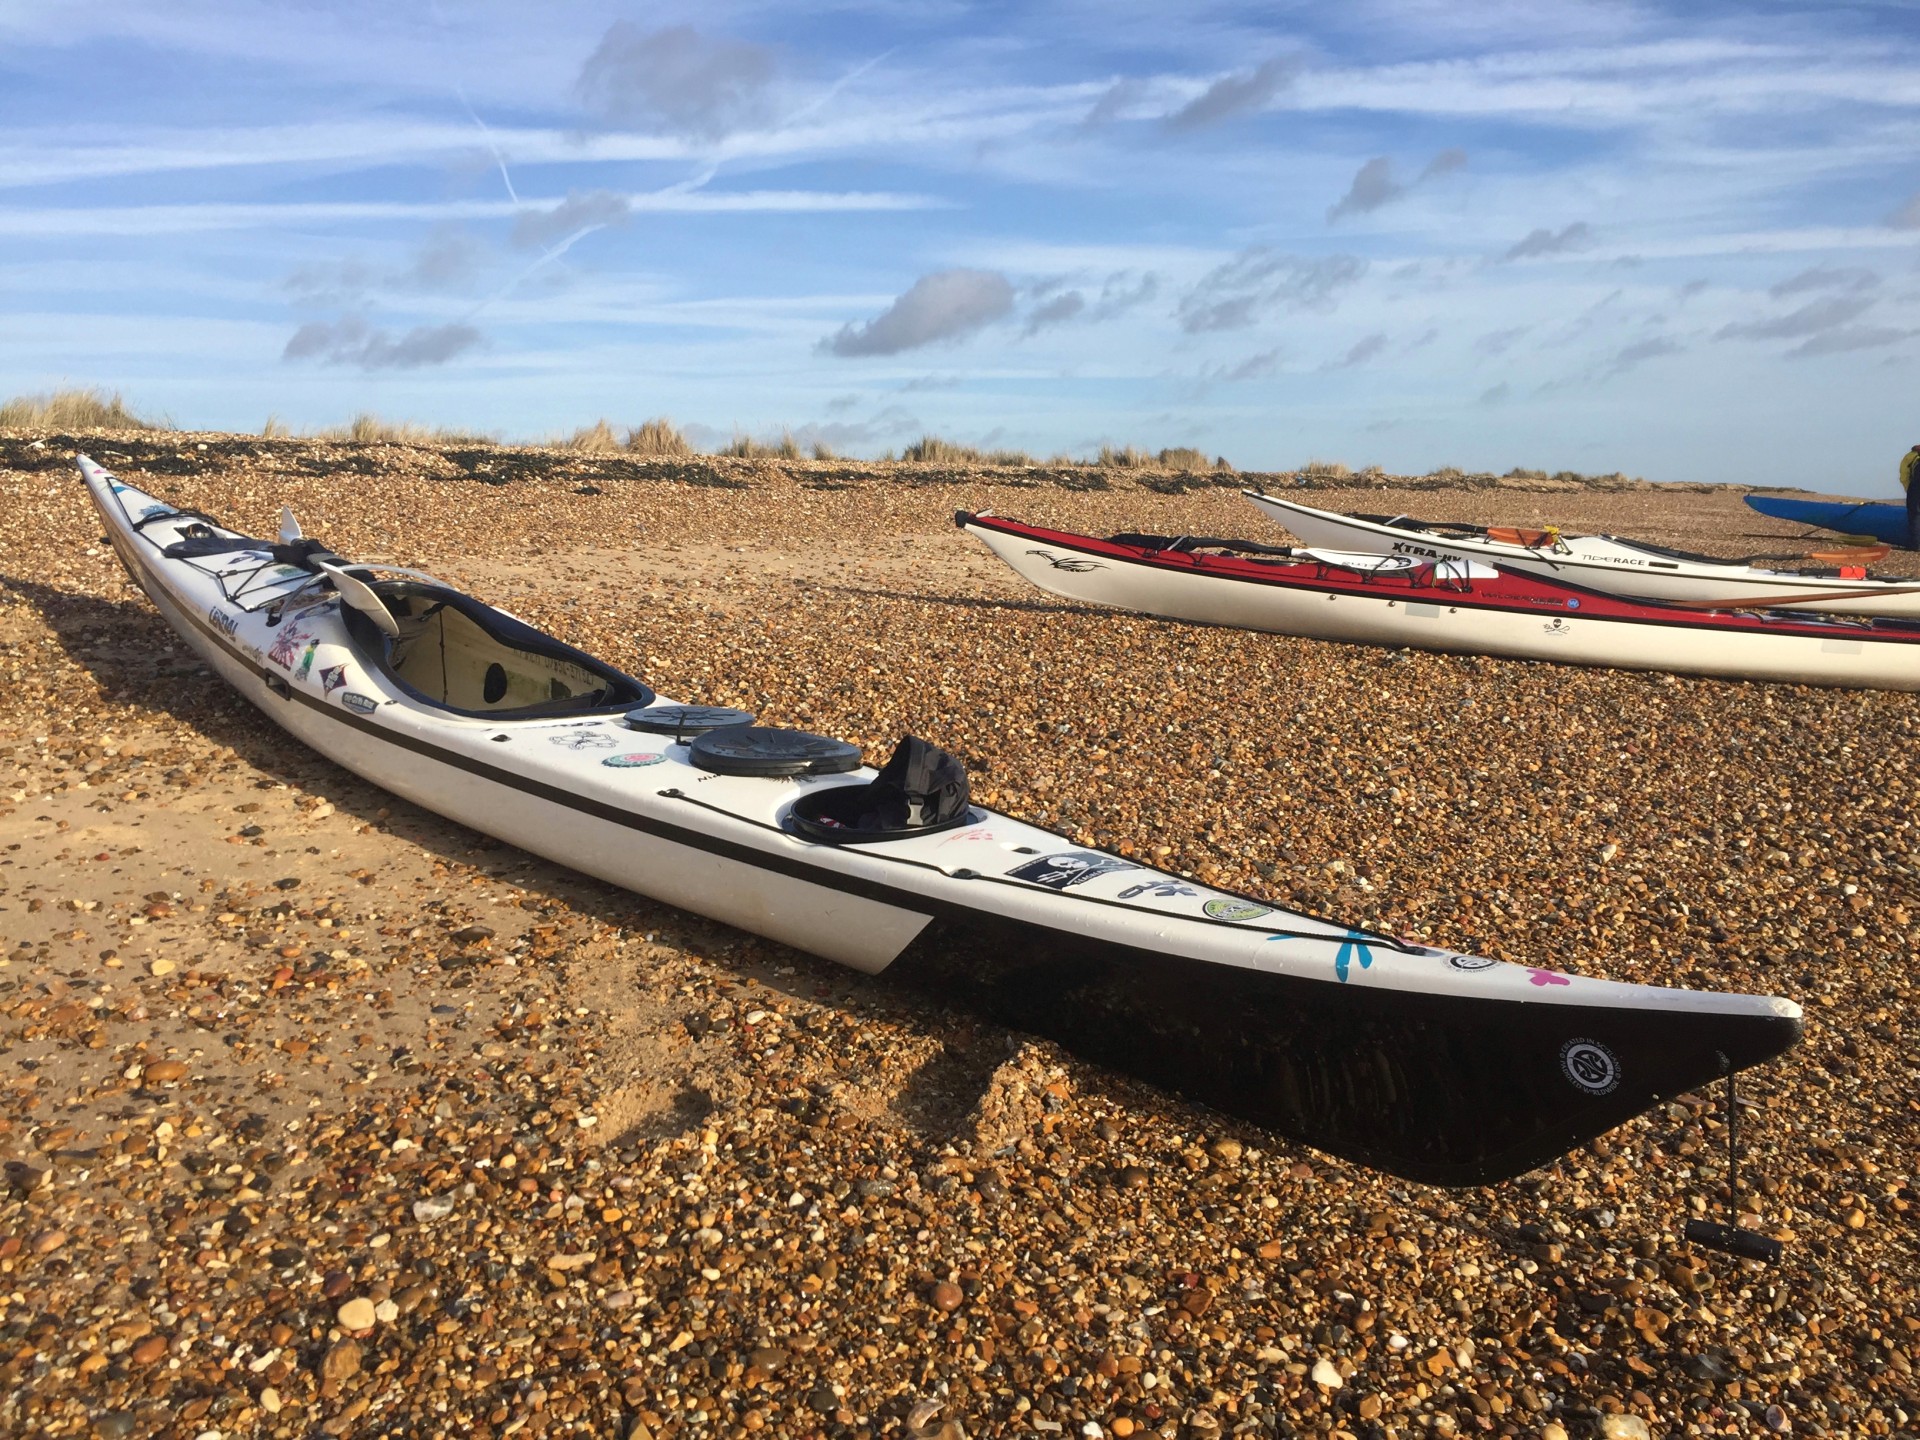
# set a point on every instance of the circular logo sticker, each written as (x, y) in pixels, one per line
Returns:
(1235, 910)
(1590, 1066)
(1471, 962)
(632, 762)
(584, 740)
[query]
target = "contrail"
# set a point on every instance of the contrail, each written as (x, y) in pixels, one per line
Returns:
(498, 158)
(545, 259)
(440, 19)
(834, 89)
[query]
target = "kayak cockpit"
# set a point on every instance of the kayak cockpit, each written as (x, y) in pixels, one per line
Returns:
(457, 654)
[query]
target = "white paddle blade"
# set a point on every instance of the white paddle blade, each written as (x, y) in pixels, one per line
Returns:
(357, 593)
(289, 527)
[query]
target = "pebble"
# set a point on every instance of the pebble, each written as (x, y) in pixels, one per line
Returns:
(1226, 1150)
(1624, 1427)
(947, 1296)
(341, 1361)
(767, 1207)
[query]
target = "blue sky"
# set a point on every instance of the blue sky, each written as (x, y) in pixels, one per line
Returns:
(1679, 241)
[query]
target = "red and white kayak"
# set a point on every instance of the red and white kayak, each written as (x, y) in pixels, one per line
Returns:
(1464, 606)
(1432, 1064)
(1609, 563)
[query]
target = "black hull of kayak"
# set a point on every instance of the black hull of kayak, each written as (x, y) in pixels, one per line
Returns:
(1441, 1089)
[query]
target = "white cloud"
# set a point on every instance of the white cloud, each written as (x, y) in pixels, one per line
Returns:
(1366, 348)
(1260, 279)
(1373, 186)
(537, 229)
(352, 341)
(1810, 319)
(1234, 95)
(947, 305)
(688, 83)
(186, 219)
(1822, 277)
(1119, 101)
(1844, 338)
(1551, 242)
(1643, 350)
(1055, 311)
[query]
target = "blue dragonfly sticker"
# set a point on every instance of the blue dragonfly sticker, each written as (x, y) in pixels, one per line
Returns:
(1354, 946)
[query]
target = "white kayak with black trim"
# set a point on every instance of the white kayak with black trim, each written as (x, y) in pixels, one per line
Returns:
(1438, 1066)
(1608, 563)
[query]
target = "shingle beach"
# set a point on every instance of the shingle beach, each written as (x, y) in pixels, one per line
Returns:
(322, 1116)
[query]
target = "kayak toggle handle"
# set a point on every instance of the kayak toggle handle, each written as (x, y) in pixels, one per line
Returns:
(1732, 1238)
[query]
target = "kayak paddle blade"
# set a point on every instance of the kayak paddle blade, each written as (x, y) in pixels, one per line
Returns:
(357, 593)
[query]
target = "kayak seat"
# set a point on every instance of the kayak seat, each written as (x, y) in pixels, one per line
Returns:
(920, 790)
(457, 654)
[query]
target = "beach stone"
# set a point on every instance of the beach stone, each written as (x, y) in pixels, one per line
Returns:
(358, 1313)
(341, 1362)
(947, 1296)
(1624, 1427)
(1324, 1374)
(164, 1072)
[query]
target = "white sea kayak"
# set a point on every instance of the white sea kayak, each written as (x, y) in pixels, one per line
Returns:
(1605, 562)
(1463, 606)
(1419, 1060)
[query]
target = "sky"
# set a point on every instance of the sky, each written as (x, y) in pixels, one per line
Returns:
(1680, 241)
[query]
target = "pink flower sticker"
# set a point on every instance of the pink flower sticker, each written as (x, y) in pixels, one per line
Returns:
(1546, 977)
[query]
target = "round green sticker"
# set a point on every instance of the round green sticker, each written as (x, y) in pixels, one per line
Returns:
(1235, 910)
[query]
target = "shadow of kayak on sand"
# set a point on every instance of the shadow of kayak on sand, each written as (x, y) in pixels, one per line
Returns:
(133, 657)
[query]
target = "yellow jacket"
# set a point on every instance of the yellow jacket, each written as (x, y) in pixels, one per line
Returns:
(1909, 463)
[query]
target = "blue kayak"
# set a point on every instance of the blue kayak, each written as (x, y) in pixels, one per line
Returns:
(1877, 519)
